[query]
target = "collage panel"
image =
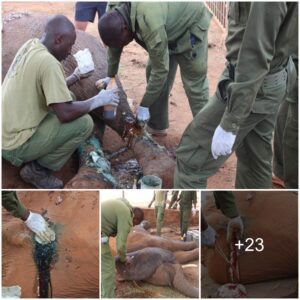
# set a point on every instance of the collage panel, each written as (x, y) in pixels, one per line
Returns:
(50, 244)
(249, 244)
(149, 244)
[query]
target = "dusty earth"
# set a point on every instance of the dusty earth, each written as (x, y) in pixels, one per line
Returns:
(132, 75)
(75, 271)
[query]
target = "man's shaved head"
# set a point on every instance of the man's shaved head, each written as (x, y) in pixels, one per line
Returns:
(59, 24)
(113, 30)
(59, 36)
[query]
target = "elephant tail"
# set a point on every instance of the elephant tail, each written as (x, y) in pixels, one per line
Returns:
(184, 257)
(181, 284)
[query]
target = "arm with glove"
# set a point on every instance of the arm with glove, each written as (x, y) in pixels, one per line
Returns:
(35, 222)
(225, 201)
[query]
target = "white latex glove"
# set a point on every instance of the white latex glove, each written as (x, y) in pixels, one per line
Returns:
(106, 97)
(222, 142)
(142, 114)
(208, 237)
(102, 83)
(235, 225)
(194, 212)
(81, 75)
(37, 224)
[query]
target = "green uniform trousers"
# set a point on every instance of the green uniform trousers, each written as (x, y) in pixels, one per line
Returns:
(107, 272)
(53, 142)
(185, 211)
(193, 69)
(285, 161)
(11, 203)
(159, 214)
(226, 202)
(253, 145)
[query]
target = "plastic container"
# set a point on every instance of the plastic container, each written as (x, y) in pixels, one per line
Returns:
(150, 182)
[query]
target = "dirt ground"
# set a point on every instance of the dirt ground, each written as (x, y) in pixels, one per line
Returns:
(132, 75)
(75, 270)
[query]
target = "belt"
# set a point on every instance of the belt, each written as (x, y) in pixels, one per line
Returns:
(275, 79)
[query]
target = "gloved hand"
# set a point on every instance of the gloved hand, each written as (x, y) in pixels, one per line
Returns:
(102, 83)
(106, 97)
(194, 212)
(37, 224)
(143, 114)
(208, 237)
(235, 225)
(80, 75)
(222, 142)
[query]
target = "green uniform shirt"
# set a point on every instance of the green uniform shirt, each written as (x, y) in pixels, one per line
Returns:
(116, 220)
(12, 204)
(261, 37)
(158, 27)
(34, 80)
(160, 197)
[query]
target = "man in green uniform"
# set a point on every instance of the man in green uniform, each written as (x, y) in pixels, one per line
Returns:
(226, 202)
(172, 33)
(117, 219)
(35, 222)
(187, 198)
(285, 161)
(242, 113)
(174, 200)
(160, 198)
(41, 124)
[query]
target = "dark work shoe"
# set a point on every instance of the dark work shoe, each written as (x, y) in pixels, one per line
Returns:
(157, 132)
(40, 177)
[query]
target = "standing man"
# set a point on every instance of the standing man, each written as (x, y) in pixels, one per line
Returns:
(187, 198)
(225, 201)
(41, 124)
(117, 219)
(85, 12)
(242, 113)
(35, 222)
(174, 200)
(285, 161)
(159, 206)
(172, 33)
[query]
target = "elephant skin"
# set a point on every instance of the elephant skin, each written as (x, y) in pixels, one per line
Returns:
(153, 159)
(140, 238)
(75, 273)
(156, 266)
(270, 215)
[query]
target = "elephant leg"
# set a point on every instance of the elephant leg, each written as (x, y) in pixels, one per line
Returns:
(172, 275)
(186, 256)
(94, 171)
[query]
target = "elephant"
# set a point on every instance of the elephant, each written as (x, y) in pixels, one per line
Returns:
(153, 158)
(157, 260)
(140, 238)
(75, 268)
(271, 216)
(158, 267)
